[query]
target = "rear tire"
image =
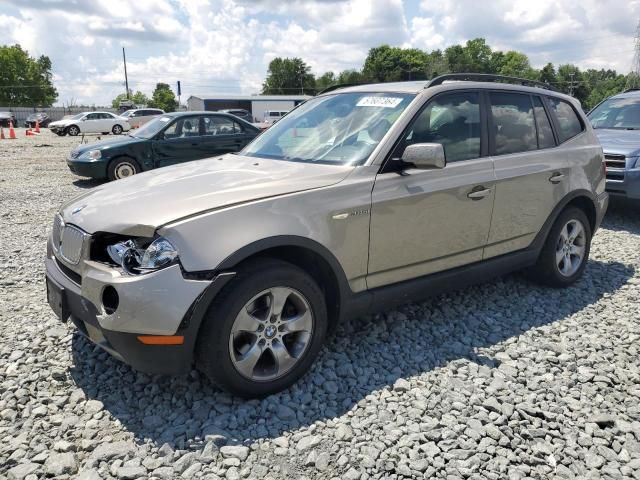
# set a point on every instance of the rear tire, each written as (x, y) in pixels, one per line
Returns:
(122, 167)
(264, 330)
(565, 253)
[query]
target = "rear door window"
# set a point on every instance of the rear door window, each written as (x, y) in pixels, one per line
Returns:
(513, 123)
(569, 124)
(545, 133)
(214, 125)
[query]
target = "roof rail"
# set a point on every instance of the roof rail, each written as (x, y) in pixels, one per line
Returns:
(487, 77)
(337, 86)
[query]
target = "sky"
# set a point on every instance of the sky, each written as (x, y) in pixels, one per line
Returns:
(224, 46)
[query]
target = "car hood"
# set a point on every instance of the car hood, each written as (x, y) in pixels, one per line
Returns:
(140, 204)
(620, 142)
(108, 143)
(63, 122)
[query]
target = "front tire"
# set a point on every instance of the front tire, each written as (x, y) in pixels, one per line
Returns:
(264, 330)
(73, 130)
(122, 167)
(565, 253)
(117, 129)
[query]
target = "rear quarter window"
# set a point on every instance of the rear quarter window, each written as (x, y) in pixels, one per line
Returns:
(569, 123)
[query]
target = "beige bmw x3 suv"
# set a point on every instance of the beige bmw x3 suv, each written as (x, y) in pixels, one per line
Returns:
(360, 198)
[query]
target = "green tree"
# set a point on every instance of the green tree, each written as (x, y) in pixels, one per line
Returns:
(572, 82)
(474, 57)
(352, 77)
(287, 76)
(479, 56)
(138, 98)
(632, 80)
(25, 81)
(325, 80)
(164, 98)
(516, 64)
(603, 84)
(392, 64)
(436, 64)
(548, 74)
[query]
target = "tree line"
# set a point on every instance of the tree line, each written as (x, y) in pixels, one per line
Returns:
(392, 64)
(27, 81)
(24, 80)
(162, 97)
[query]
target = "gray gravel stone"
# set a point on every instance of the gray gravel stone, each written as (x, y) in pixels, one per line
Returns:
(61, 464)
(130, 473)
(21, 471)
(308, 442)
(91, 474)
(235, 451)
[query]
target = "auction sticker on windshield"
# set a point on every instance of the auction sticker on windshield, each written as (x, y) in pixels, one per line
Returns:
(384, 102)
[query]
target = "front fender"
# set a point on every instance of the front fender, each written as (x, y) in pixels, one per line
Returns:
(216, 240)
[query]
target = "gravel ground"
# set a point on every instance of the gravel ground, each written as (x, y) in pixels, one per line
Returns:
(502, 380)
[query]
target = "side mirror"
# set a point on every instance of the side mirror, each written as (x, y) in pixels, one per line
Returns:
(425, 155)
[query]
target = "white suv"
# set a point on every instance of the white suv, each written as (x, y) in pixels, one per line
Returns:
(139, 116)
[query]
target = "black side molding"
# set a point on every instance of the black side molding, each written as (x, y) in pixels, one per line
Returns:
(418, 289)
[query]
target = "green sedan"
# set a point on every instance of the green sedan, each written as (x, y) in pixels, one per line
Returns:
(169, 139)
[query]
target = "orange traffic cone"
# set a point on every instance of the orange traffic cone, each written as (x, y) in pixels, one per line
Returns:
(1, 133)
(37, 126)
(12, 132)
(28, 133)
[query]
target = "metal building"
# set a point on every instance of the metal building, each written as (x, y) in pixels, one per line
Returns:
(256, 104)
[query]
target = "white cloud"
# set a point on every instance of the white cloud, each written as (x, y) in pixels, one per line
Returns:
(225, 45)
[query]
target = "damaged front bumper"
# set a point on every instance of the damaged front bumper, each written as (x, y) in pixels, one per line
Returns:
(114, 310)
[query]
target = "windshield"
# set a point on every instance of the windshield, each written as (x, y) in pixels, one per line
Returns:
(150, 129)
(128, 113)
(341, 129)
(622, 113)
(77, 117)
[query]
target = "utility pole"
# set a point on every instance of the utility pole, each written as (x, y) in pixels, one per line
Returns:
(126, 80)
(634, 79)
(573, 74)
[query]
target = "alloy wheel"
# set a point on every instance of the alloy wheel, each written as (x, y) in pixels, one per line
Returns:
(570, 248)
(271, 333)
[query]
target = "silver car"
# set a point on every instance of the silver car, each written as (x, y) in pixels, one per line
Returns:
(361, 198)
(617, 124)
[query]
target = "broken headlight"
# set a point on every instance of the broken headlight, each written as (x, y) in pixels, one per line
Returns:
(141, 256)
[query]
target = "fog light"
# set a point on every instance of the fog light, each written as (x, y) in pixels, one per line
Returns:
(110, 300)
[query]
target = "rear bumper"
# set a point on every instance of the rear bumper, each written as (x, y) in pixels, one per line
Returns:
(628, 187)
(142, 305)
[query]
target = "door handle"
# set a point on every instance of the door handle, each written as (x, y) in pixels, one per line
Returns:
(478, 193)
(556, 177)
